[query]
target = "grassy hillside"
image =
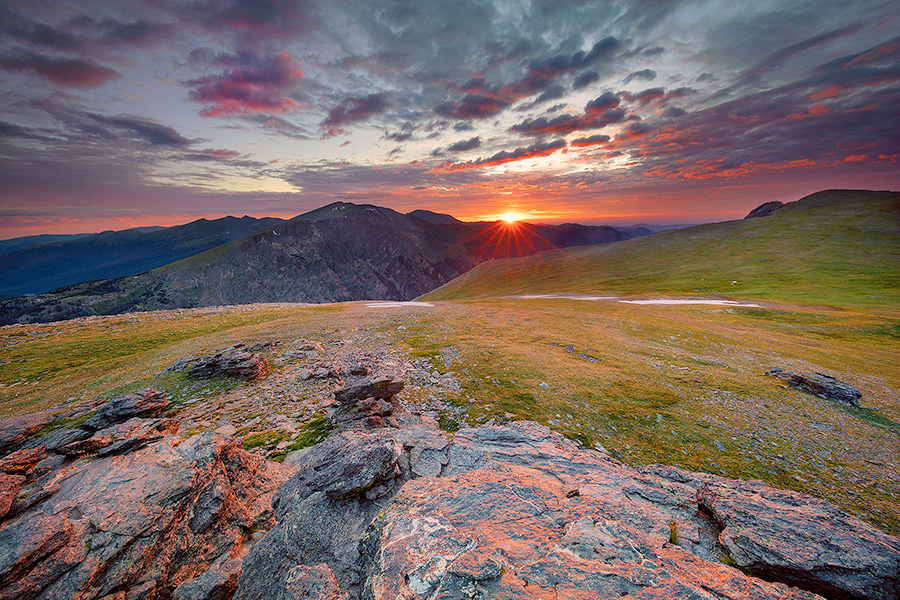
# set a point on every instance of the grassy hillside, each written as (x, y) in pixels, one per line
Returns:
(835, 247)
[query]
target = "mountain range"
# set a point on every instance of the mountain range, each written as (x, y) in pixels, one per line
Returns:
(52, 263)
(339, 252)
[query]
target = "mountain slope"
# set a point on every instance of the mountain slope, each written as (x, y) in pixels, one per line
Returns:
(833, 247)
(13, 244)
(356, 252)
(38, 268)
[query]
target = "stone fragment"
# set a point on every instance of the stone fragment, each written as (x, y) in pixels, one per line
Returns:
(218, 583)
(16, 430)
(819, 384)
(379, 387)
(519, 511)
(315, 582)
(90, 445)
(60, 438)
(9, 489)
(22, 461)
(831, 553)
(240, 365)
(146, 403)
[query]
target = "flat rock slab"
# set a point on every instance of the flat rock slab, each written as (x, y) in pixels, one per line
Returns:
(380, 387)
(240, 365)
(819, 384)
(143, 404)
(519, 511)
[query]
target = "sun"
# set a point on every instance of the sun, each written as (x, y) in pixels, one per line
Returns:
(509, 217)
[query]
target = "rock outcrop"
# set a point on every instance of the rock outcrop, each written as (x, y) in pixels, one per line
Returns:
(367, 403)
(764, 210)
(821, 385)
(521, 512)
(131, 510)
(241, 365)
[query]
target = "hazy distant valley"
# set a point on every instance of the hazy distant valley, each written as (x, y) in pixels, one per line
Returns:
(532, 336)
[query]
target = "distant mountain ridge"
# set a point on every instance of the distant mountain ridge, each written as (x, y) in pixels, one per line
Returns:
(336, 253)
(13, 244)
(110, 254)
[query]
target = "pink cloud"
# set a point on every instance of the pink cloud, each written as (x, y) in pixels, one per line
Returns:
(254, 85)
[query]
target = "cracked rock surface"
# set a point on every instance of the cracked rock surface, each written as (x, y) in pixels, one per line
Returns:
(521, 512)
(139, 512)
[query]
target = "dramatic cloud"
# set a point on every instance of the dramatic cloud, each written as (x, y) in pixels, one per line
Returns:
(483, 100)
(249, 84)
(504, 157)
(593, 140)
(585, 79)
(598, 113)
(643, 74)
(263, 18)
(64, 72)
(353, 110)
(104, 102)
(465, 145)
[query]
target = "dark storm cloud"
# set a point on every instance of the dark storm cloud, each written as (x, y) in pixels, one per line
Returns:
(781, 56)
(472, 106)
(598, 113)
(658, 95)
(483, 100)
(127, 128)
(249, 84)
(64, 72)
(465, 145)
(585, 79)
(504, 156)
(593, 140)
(38, 34)
(644, 75)
(840, 114)
(354, 110)
(554, 92)
(112, 32)
(260, 18)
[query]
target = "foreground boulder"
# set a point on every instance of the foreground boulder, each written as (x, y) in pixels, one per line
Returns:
(240, 365)
(819, 384)
(521, 512)
(382, 388)
(146, 403)
(154, 516)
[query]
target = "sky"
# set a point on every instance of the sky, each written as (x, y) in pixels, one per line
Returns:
(126, 113)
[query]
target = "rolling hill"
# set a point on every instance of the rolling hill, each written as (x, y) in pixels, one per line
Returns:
(40, 267)
(834, 246)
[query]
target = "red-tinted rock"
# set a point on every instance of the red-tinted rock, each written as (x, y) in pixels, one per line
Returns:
(379, 387)
(9, 489)
(144, 404)
(521, 512)
(91, 445)
(22, 461)
(140, 523)
(15, 431)
(241, 365)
